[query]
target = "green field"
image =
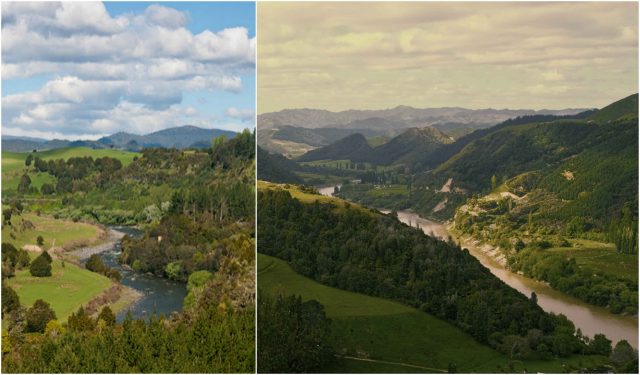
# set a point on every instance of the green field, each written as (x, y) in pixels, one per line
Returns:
(389, 190)
(602, 257)
(66, 290)
(309, 198)
(401, 338)
(13, 163)
(66, 233)
(344, 164)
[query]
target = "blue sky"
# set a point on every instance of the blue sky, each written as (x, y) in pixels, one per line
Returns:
(84, 70)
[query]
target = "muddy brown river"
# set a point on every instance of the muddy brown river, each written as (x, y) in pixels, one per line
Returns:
(590, 319)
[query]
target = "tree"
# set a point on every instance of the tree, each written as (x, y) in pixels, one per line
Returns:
(23, 259)
(600, 345)
(39, 315)
(40, 241)
(293, 335)
(494, 182)
(40, 267)
(47, 189)
(25, 184)
(46, 256)
(10, 299)
(6, 215)
(623, 355)
(80, 321)
(534, 298)
(107, 316)
(95, 264)
(28, 160)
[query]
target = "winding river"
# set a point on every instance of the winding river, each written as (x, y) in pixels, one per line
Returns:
(158, 295)
(590, 319)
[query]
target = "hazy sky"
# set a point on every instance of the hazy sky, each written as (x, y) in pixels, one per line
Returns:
(338, 56)
(83, 70)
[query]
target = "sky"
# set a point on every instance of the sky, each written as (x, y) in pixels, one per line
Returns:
(82, 70)
(339, 56)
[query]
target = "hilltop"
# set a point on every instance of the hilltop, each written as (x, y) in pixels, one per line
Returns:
(177, 137)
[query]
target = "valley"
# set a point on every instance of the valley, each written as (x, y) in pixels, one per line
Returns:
(137, 243)
(544, 202)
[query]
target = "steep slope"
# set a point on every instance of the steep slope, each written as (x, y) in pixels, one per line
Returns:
(276, 168)
(618, 110)
(410, 146)
(354, 147)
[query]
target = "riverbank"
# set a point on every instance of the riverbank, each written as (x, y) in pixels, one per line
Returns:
(589, 318)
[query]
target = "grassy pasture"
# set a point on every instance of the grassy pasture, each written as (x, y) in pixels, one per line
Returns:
(66, 290)
(66, 233)
(382, 336)
(310, 198)
(13, 163)
(601, 257)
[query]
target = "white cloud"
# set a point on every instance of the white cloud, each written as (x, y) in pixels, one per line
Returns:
(112, 73)
(240, 114)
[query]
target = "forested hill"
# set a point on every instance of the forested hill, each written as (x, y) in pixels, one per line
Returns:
(177, 137)
(353, 147)
(409, 146)
(355, 249)
(419, 148)
(276, 168)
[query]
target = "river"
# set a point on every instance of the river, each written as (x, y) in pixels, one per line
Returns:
(590, 319)
(159, 295)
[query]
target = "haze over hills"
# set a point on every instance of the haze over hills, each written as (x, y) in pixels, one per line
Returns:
(176, 137)
(303, 126)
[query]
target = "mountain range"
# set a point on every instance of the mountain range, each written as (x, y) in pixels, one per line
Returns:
(177, 137)
(294, 131)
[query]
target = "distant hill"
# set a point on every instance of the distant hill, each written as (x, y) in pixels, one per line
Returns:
(353, 147)
(321, 136)
(276, 168)
(411, 145)
(372, 123)
(177, 137)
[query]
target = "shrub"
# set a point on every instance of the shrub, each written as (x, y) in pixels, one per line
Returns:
(39, 315)
(95, 264)
(40, 267)
(46, 256)
(107, 316)
(10, 299)
(40, 241)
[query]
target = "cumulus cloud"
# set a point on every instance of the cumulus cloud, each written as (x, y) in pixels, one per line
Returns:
(241, 114)
(128, 72)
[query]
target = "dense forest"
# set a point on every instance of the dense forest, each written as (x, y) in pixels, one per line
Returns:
(292, 335)
(369, 253)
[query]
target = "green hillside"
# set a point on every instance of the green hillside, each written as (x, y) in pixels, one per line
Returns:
(13, 163)
(383, 336)
(353, 147)
(624, 108)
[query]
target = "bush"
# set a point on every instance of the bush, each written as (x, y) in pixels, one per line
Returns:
(39, 315)
(10, 299)
(40, 267)
(40, 241)
(46, 256)
(198, 279)
(95, 264)
(47, 189)
(23, 259)
(107, 316)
